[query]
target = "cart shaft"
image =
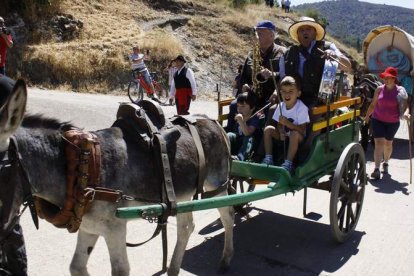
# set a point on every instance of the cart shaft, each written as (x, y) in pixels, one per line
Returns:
(156, 210)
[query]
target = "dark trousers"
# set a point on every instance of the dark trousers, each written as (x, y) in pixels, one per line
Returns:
(13, 254)
(3, 70)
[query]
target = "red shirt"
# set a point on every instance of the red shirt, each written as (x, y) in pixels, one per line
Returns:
(3, 50)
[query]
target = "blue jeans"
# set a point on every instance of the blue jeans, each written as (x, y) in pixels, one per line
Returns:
(240, 145)
(3, 70)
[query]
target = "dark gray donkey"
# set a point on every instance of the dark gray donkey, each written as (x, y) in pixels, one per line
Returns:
(123, 167)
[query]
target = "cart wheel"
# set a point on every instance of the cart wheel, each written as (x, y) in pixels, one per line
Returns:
(347, 194)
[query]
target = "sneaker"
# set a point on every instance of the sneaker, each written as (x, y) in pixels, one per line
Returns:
(376, 174)
(385, 168)
(235, 157)
(267, 161)
(288, 165)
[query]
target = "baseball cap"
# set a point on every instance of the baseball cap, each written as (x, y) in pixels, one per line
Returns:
(266, 24)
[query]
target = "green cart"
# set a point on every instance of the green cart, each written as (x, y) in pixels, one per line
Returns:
(335, 155)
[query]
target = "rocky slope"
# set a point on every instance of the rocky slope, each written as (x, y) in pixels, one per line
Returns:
(83, 48)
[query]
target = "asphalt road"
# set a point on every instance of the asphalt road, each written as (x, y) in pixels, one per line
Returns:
(276, 240)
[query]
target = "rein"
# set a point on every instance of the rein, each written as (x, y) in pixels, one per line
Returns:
(10, 159)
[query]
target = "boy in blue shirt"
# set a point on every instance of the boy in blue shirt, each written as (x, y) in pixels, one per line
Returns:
(248, 129)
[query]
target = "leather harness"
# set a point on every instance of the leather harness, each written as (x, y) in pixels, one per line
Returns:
(83, 157)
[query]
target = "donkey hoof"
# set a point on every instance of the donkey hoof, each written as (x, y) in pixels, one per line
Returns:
(173, 272)
(224, 267)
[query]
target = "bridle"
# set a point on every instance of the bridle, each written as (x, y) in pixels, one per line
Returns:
(12, 159)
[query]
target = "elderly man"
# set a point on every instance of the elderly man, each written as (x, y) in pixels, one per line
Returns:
(306, 60)
(6, 42)
(270, 53)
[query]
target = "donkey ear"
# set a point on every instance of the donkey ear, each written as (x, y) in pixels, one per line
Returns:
(12, 112)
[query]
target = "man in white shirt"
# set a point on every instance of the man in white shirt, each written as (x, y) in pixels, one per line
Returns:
(183, 86)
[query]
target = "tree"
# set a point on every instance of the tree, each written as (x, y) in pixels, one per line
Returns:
(318, 18)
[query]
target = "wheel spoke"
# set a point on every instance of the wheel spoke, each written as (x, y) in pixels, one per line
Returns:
(344, 187)
(341, 215)
(360, 173)
(350, 218)
(360, 195)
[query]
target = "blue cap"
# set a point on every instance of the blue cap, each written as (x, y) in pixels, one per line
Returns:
(266, 24)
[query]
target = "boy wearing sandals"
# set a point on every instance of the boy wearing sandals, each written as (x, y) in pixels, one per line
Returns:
(291, 117)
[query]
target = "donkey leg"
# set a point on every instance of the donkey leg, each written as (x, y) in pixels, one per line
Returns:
(185, 226)
(84, 247)
(116, 242)
(227, 219)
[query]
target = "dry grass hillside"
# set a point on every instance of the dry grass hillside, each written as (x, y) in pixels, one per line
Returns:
(212, 35)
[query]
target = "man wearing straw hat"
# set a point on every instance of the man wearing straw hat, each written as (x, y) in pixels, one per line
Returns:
(307, 59)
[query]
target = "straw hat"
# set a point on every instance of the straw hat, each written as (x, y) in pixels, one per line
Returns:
(306, 21)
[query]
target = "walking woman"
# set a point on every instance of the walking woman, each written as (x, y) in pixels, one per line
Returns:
(387, 106)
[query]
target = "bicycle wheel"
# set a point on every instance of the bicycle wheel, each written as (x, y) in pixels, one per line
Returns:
(135, 92)
(161, 93)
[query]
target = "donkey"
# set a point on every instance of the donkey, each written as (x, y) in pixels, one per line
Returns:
(123, 167)
(365, 88)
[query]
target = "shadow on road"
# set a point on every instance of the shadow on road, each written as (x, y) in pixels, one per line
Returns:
(273, 244)
(400, 149)
(387, 185)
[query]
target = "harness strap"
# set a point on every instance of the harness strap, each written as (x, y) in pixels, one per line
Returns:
(167, 196)
(156, 233)
(167, 181)
(28, 199)
(223, 187)
(202, 171)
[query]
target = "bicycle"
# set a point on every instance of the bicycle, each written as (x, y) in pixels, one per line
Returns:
(137, 86)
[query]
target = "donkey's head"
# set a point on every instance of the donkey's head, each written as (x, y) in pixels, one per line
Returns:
(13, 96)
